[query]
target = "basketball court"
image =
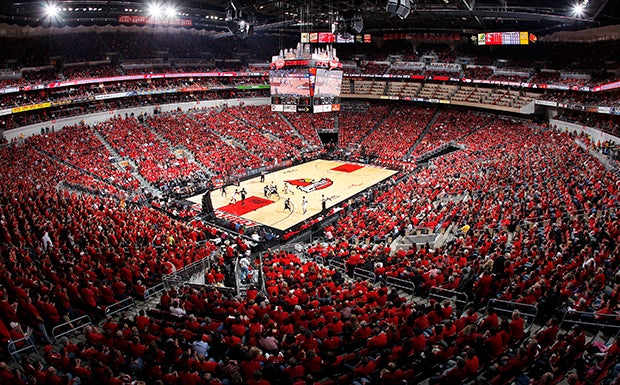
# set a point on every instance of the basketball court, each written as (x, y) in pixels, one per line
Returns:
(334, 181)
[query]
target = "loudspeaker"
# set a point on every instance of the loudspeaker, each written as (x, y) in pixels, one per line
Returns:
(357, 25)
(391, 6)
(404, 8)
(400, 8)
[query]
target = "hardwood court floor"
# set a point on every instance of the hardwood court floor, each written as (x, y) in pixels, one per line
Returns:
(337, 180)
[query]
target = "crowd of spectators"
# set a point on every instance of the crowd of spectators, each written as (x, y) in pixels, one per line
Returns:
(154, 159)
(450, 126)
(271, 124)
(80, 71)
(87, 92)
(308, 124)
(77, 56)
(542, 230)
(509, 78)
(78, 146)
(477, 72)
(537, 220)
(229, 126)
(354, 126)
(608, 99)
(51, 114)
(197, 135)
(400, 129)
(604, 122)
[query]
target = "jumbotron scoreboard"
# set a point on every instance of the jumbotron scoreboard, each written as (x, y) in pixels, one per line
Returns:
(305, 84)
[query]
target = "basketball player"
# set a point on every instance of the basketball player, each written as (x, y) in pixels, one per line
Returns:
(243, 193)
(304, 205)
(287, 205)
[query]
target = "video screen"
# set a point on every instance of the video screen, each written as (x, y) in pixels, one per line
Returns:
(290, 82)
(327, 83)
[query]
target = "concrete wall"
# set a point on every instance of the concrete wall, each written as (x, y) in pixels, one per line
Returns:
(595, 134)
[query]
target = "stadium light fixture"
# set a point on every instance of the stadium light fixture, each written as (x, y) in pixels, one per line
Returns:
(51, 10)
(578, 9)
(170, 11)
(155, 10)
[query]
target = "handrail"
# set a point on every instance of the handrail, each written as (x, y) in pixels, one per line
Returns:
(367, 275)
(28, 345)
(121, 306)
(507, 307)
(600, 321)
(154, 290)
(319, 260)
(261, 275)
(81, 323)
(402, 284)
(460, 299)
(337, 265)
(188, 272)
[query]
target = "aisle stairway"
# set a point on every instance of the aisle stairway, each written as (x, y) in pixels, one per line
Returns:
(134, 167)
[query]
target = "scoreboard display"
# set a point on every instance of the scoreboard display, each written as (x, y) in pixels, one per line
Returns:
(305, 90)
(503, 38)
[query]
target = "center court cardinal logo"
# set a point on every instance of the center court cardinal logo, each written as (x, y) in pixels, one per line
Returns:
(308, 184)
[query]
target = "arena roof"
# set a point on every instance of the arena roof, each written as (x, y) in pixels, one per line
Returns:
(541, 16)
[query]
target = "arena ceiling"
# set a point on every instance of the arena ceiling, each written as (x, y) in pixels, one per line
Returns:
(542, 16)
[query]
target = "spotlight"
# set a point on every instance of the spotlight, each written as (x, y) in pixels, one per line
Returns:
(51, 10)
(155, 10)
(578, 9)
(170, 11)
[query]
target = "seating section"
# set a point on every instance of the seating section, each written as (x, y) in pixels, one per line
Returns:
(451, 126)
(308, 124)
(492, 97)
(303, 137)
(403, 90)
(355, 126)
(437, 91)
(78, 146)
(196, 133)
(397, 133)
(533, 221)
(369, 87)
(154, 158)
(267, 147)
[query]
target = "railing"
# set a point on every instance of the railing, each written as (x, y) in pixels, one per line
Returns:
(188, 272)
(319, 260)
(601, 322)
(364, 274)
(154, 290)
(262, 286)
(127, 303)
(28, 344)
(337, 265)
(70, 326)
(459, 299)
(401, 284)
(529, 312)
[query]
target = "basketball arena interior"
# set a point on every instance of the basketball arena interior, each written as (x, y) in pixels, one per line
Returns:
(309, 192)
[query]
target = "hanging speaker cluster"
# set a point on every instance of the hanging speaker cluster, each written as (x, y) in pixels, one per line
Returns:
(348, 23)
(400, 8)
